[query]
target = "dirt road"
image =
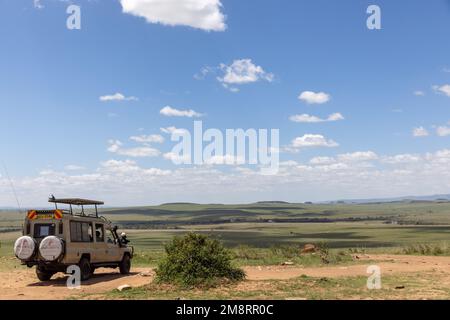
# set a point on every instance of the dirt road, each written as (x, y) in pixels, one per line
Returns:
(23, 284)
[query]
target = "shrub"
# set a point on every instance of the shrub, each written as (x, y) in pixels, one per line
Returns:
(197, 260)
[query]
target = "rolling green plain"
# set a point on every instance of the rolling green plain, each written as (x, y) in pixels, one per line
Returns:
(272, 233)
(376, 226)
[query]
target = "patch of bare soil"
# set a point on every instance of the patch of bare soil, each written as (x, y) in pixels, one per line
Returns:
(389, 264)
(23, 284)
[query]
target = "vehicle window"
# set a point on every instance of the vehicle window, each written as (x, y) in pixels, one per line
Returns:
(80, 232)
(42, 230)
(111, 238)
(99, 233)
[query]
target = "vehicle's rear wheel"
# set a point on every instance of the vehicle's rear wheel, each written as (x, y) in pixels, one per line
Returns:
(43, 275)
(125, 265)
(85, 269)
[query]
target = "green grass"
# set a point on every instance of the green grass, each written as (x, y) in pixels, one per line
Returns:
(238, 226)
(336, 235)
(415, 286)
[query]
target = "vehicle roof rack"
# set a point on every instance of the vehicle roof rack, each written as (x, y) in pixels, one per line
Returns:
(76, 202)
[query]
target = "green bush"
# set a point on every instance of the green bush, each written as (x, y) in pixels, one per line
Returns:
(197, 260)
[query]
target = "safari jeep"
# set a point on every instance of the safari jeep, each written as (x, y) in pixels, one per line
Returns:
(56, 239)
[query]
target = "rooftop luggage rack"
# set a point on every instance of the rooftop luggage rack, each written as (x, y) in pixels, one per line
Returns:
(76, 202)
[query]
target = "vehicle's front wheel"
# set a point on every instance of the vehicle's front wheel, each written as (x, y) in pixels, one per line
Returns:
(43, 275)
(85, 269)
(125, 265)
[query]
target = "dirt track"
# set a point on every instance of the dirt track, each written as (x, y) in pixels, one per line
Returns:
(23, 284)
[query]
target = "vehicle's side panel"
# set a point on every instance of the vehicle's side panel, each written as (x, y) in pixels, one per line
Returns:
(79, 241)
(114, 252)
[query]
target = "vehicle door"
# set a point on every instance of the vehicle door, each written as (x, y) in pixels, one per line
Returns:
(113, 248)
(100, 247)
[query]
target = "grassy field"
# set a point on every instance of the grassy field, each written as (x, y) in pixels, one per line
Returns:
(406, 286)
(267, 234)
(259, 232)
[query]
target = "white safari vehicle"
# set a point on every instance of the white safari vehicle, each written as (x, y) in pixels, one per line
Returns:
(56, 239)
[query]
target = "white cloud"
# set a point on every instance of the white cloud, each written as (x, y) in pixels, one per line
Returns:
(152, 138)
(322, 160)
(117, 97)
(127, 183)
(176, 158)
(358, 156)
(37, 4)
(401, 158)
(116, 146)
(312, 140)
(420, 132)
(172, 130)
(289, 163)
(129, 167)
(445, 89)
(172, 112)
(199, 14)
(306, 118)
(443, 131)
(311, 97)
(242, 72)
(225, 160)
(203, 73)
(419, 93)
(73, 167)
(341, 159)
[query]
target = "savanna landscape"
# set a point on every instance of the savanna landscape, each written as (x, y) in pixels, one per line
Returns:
(407, 239)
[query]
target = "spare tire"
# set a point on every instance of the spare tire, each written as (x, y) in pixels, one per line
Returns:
(51, 248)
(25, 248)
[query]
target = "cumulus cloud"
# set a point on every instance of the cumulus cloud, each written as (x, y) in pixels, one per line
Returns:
(311, 97)
(73, 167)
(200, 14)
(445, 89)
(443, 131)
(124, 182)
(420, 132)
(117, 97)
(322, 160)
(419, 93)
(358, 156)
(312, 140)
(244, 71)
(402, 158)
(172, 130)
(241, 72)
(306, 118)
(38, 4)
(172, 112)
(116, 146)
(225, 160)
(152, 138)
(128, 167)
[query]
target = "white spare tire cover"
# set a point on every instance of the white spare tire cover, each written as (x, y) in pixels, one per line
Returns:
(51, 248)
(24, 248)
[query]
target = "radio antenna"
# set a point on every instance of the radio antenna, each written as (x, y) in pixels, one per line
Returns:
(12, 187)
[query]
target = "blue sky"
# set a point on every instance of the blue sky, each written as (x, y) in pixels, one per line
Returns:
(384, 83)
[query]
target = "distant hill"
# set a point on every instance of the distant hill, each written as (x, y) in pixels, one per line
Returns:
(437, 197)
(179, 203)
(272, 202)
